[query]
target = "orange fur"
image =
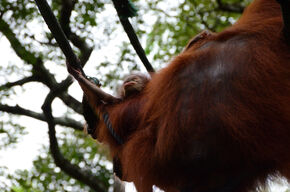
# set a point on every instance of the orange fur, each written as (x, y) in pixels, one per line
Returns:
(220, 111)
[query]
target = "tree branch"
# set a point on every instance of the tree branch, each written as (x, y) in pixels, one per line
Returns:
(235, 8)
(136, 44)
(48, 79)
(80, 43)
(122, 7)
(20, 50)
(71, 102)
(84, 176)
(63, 121)
(56, 90)
(58, 33)
(39, 72)
(19, 82)
(84, 48)
(65, 14)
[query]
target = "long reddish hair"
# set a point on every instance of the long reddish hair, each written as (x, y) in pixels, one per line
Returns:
(217, 117)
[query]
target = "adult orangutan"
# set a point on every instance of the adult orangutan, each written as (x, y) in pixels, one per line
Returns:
(216, 119)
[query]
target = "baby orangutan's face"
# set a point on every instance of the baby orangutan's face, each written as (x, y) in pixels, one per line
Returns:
(133, 84)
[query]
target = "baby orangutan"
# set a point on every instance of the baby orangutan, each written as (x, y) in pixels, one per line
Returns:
(132, 85)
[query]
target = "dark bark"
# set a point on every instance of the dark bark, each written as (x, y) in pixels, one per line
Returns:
(234, 8)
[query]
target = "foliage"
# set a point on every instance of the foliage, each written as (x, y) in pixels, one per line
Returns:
(9, 133)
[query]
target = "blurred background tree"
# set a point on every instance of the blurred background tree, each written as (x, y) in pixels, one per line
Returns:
(36, 68)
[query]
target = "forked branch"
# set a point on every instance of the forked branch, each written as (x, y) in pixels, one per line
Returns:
(58, 33)
(73, 64)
